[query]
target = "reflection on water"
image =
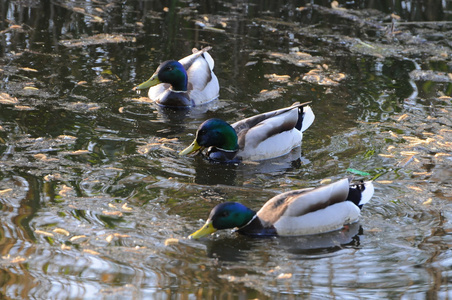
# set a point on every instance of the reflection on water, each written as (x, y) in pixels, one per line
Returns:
(238, 248)
(92, 188)
(236, 174)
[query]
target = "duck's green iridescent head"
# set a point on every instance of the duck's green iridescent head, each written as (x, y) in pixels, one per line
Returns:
(214, 132)
(223, 216)
(171, 72)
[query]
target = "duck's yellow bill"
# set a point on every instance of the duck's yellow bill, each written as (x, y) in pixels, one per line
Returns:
(205, 230)
(154, 80)
(192, 148)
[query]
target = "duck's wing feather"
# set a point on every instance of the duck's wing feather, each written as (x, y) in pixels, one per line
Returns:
(202, 82)
(301, 202)
(256, 129)
(331, 218)
(190, 59)
(199, 69)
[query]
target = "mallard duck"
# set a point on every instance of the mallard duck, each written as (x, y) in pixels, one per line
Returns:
(294, 213)
(187, 82)
(263, 136)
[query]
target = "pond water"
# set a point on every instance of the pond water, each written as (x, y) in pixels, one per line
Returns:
(95, 203)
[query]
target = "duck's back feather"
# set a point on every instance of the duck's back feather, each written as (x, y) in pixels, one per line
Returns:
(310, 211)
(330, 218)
(300, 202)
(203, 84)
(190, 59)
(272, 134)
(271, 147)
(246, 124)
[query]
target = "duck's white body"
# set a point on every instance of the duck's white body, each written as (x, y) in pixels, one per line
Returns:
(313, 211)
(203, 85)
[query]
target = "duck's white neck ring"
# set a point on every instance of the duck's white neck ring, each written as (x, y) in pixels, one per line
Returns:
(224, 150)
(174, 91)
(252, 219)
(221, 149)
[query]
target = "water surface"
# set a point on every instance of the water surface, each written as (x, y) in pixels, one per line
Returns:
(92, 188)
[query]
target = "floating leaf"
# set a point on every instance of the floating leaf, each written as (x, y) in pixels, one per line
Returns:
(442, 154)
(79, 152)
(125, 207)
(112, 213)
(428, 201)
(277, 78)
(121, 235)
(384, 181)
(23, 107)
(7, 99)
(91, 251)
(18, 260)
(61, 231)
(65, 190)
(109, 238)
(415, 188)
(386, 155)
(67, 137)
(28, 69)
(97, 39)
(357, 172)
(284, 276)
(52, 177)
(171, 241)
(325, 181)
(65, 247)
(76, 237)
(43, 232)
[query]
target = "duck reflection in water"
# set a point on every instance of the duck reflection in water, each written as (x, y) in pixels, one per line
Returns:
(240, 248)
(210, 173)
(183, 115)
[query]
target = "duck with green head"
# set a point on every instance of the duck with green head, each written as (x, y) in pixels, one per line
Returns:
(184, 83)
(294, 213)
(260, 137)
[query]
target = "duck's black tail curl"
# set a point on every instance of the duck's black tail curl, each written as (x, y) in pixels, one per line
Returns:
(305, 117)
(360, 193)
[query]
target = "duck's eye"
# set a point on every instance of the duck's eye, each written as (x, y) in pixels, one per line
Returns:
(169, 68)
(224, 214)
